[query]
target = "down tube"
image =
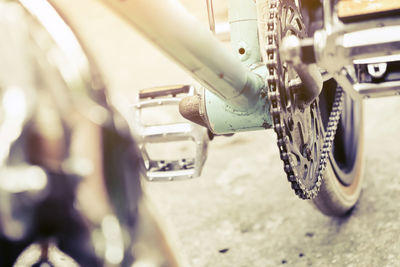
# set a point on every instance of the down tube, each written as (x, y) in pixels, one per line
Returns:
(177, 33)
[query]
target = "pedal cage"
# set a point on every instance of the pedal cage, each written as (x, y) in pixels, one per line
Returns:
(181, 167)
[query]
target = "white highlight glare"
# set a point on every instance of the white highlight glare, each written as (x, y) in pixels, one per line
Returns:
(14, 103)
(22, 179)
(62, 35)
(15, 108)
(386, 34)
(113, 235)
(144, 263)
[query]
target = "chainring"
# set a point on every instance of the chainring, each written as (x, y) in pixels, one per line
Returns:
(299, 129)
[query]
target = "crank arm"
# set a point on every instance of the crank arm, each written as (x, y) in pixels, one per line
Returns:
(157, 140)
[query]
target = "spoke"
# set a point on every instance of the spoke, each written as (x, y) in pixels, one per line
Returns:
(292, 13)
(284, 14)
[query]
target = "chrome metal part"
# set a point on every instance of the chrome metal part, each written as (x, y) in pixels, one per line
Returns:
(368, 90)
(358, 45)
(150, 133)
(377, 70)
(339, 46)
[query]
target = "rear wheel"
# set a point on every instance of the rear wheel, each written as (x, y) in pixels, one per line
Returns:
(341, 186)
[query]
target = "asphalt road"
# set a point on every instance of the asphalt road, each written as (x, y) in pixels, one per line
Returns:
(242, 212)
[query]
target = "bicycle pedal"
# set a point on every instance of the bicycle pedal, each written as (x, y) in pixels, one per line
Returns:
(172, 147)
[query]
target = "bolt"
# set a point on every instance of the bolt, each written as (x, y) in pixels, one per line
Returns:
(307, 152)
(377, 70)
(290, 123)
(243, 51)
(343, 72)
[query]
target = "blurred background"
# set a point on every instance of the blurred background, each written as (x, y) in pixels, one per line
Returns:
(241, 211)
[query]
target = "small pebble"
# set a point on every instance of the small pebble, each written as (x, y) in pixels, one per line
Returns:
(309, 234)
(224, 250)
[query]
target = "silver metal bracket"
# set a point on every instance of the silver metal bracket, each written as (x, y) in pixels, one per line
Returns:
(172, 148)
(362, 53)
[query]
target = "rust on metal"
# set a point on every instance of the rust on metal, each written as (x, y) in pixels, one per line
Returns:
(189, 107)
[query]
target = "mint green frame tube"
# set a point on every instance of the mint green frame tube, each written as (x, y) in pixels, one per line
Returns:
(178, 34)
(222, 116)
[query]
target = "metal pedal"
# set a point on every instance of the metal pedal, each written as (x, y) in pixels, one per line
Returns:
(160, 130)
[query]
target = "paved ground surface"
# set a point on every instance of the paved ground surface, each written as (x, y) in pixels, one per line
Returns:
(241, 212)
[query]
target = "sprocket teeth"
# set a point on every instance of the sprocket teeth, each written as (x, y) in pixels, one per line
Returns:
(284, 156)
(291, 178)
(287, 168)
(282, 142)
(275, 83)
(276, 110)
(271, 79)
(273, 96)
(296, 187)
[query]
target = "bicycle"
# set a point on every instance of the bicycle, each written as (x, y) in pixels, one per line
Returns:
(259, 95)
(283, 78)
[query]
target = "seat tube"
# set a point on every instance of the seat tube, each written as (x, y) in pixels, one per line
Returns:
(243, 27)
(221, 116)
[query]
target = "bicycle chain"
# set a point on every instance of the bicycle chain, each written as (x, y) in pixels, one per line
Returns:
(273, 81)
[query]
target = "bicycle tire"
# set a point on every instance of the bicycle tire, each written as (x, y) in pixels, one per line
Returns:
(341, 186)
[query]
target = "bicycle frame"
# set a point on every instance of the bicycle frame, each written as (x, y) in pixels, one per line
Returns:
(234, 97)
